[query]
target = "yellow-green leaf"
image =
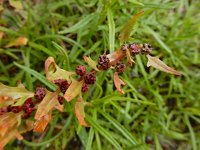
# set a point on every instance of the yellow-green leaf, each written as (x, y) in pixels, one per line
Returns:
(124, 35)
(91, 63)
(73, 90)
(16, 4)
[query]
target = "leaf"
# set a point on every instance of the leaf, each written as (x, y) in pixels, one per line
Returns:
(16, 4)
(53, 72)
(116, 56)
(73, 90)
(1, 34)
(91, 63)
(40, 125)
(160, 65)
(16, 93)
(130, 60)
(118, 82)
(8, 121)
(20, 41)
(5, 101)
(79, 111)
(124, 35)
(47, 104)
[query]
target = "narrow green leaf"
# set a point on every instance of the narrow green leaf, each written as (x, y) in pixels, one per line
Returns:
(103, 132)
(37, 76)
(90, 139)
(111, 25)
(119, 127)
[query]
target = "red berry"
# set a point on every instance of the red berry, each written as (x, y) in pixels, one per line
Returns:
(62, 84)
(16, 109)
(3, 110)
(146, 49)
(90, 78)
(28, 107)
(120, 67)
(39, 93)
(61, 99)
(81, 70)
(103, 62)
(85, 87)
(135, 49)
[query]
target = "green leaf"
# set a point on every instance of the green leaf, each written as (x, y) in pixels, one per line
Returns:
(37, 76)
(103, 132)
(119, 127)
(111, 25)
(124, 35)
(90, 139)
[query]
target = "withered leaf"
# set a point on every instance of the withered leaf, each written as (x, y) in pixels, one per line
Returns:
(91, 63)
(79, 111)
(124, 35)
(16, 4)
(40, 124)
(47, 104)
(53, 72)
(116, 56)
(1, 34)
(73, 90)
(20, 41)
(18, 93)
(118, 83)
(160, 65)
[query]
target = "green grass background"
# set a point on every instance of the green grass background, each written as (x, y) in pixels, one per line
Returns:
(158, 111)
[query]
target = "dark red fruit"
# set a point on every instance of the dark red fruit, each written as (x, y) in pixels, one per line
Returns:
(146, 49)
(39, 93)
(85, 87)
(103, 62)
(81, 70)
(90, 78)
(61, 99)
(28, 108)
(120, 67)
(3, 110)
(135, 49)
(62, 84)
(16, 109)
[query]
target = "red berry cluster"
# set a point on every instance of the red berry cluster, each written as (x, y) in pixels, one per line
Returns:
(120, 67)
(89, 78)
(39, 93)
(28, 107)
(136, 48)
(62, 84)
(103, 62)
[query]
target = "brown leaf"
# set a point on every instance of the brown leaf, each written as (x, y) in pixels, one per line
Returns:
(20, 41)
(40, 124)
(53, 72)
(73, 90)
(91, 63)
(79, 111)
(130, 60)
(116, 56)
(118, 83)
(1, 35)
(124, 35)
(160, 65)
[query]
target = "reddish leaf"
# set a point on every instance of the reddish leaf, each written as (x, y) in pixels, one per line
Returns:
(130, 60)
(41, 123)
(118, 83)
(91, 63)
(53, 72)
(20, 41)
(116, 56)
(79, 111)
(73, 90)
(158, 64)
(124, 35)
